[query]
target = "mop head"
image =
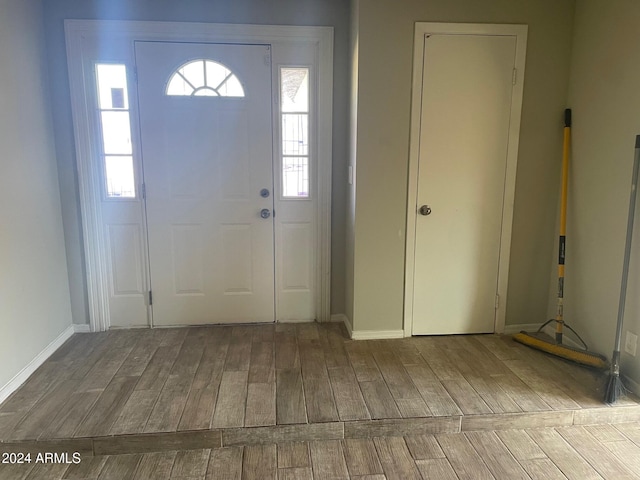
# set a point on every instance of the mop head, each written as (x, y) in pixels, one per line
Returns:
(615, 389)
(543, 342)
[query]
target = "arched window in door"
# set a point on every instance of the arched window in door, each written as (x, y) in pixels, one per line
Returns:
(204, 78)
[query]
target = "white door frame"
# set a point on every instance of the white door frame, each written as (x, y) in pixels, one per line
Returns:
(422, 29)
(89, 177)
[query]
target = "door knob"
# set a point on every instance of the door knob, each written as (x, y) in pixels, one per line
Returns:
(425, 210)
(265, 213)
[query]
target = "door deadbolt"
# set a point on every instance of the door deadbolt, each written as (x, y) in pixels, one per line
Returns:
(264, 193)
(265, 213)
(425, 210)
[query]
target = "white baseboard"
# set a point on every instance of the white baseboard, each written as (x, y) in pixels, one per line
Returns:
(33, 365)
(81, 328)
(341, 317)
(365, 334)
(376, 334)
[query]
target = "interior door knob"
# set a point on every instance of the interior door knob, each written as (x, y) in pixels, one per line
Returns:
(425, 210)
(265, 213)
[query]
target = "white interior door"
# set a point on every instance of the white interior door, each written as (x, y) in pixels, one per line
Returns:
(206, 132)
(464, 133)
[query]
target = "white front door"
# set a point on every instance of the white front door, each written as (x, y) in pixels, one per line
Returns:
(206, 133)
(467, 83)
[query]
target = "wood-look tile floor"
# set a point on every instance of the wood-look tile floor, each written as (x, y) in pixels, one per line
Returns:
(576, 452)
(126, 382)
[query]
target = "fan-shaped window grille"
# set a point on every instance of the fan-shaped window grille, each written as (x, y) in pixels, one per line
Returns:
(204, 78)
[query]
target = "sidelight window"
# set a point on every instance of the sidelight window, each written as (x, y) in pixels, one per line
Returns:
(294, 113)
(115, 124)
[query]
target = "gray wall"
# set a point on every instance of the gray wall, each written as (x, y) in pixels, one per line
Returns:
(604, 93)
(333, 13)
(34, 291)
(383, 108)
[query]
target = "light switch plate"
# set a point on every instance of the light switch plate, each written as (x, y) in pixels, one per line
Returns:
(631, 343)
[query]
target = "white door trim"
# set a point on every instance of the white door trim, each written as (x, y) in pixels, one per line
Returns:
(422, 29)
(88, 169)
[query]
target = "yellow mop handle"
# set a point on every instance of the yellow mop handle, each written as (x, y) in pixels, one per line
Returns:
(563, 223)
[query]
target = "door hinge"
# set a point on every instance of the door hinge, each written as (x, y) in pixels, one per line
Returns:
(143, 190)
(150, 297)
(497, 301)
(135, 74)
(514, 79)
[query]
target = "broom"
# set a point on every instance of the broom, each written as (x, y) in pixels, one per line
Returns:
(615, 387)
(540, 340)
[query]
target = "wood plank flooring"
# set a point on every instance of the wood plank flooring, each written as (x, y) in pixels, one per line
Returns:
(127, 382)
(600, 452)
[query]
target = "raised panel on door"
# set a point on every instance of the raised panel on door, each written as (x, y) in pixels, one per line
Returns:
(125, 251)
(465, 115)
(297, 243)
(188, 255)
(237, 255)
(206, 158)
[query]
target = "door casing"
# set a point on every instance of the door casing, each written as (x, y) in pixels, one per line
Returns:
(81, 33)
(426, 28)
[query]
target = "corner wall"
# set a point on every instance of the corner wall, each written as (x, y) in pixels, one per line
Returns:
(350, 206)
(604, 93)
(386, 30)
(34, 288)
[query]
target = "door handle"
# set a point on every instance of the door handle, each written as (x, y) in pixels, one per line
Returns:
(424, 210)
(265, 213)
